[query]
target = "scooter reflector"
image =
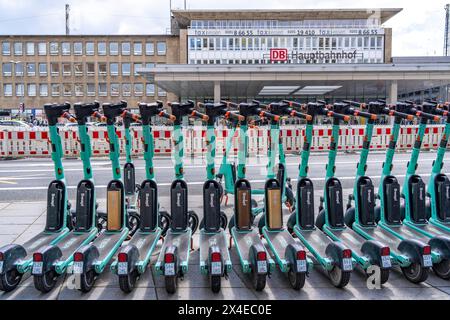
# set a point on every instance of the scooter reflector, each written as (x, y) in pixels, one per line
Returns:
(211, 206)
(442, 189)
(148, 206)
(84, 206)
(179, 205)
(392, 200)
(366, 194)
(417, 200)
(55, 206)
(273, 210)
(243, 213)
(129, 180)
(305, 196)
(114, 208)
(335, 205)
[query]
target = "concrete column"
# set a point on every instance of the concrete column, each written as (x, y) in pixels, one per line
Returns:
(392, 92)
(217, 94)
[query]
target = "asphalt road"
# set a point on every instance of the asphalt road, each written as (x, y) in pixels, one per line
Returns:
(27, 179)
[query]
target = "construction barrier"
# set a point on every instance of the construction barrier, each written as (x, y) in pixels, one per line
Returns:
(35, 142)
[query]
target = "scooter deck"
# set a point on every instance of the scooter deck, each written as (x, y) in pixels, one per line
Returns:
(433, 230)
(405, 233)
(214, 239)
(72, 242)
(349, 238)
(181, 240)
(40, 240)
(316, 241)
(383, 236)
(278, 241)
(144, 240)
(105, 243)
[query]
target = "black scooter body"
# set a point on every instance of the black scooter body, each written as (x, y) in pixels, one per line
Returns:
(366, 201)
(392, 200)
(148, 198)
(211, 206)
(442, 190)
(335, 203)
(55, 206)
(417, 190)
(129, 179)
(305, 203)
(179, 206)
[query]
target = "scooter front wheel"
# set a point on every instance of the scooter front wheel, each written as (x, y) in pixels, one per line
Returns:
(442, 269)
(46, 282)
(171, 284)
(10, 280)
(193, 221)
(128, 282)
(339, 278)
(415, 273)
(296, 279)
(87, 281)
(215, 283)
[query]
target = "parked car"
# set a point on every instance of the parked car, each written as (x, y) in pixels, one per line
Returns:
(14, 124)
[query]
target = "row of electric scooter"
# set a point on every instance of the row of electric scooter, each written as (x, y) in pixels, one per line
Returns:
(414, 235)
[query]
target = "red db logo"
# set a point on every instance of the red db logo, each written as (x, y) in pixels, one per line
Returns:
(278, 54)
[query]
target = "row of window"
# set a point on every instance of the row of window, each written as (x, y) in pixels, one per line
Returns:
(89, 48)
(289, 61)
(77, 68)
(299, 43)
(80, 90)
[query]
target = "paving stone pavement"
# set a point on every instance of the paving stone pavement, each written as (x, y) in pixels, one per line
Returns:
(21, 221)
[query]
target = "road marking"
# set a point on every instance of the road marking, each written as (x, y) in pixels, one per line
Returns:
(7, 182)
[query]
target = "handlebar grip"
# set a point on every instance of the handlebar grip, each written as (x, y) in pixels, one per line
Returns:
(300, 115)
(429, 116)
(402, 115)
(164, 114)
(200, 115)
(99, 116)
(338, 116)
(69, 117)
(366, 115)
(265, 114)
(233, 115)
(128, 114)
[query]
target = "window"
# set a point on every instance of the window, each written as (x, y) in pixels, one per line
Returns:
(42, 48)
(30, 49)
(137, 48)
(7, 69)
(161, 92)
(67, 69)
(126, 47)
(91, 89)
(42, 69)
(161, 47)
(43, 90)
(90, 50)
(138, 89)
(126, 89)
(31, 89)
(56, 90)
(7, 89)
(79, 89)
(102, 68)
(18, 48)
(78, 69)
(149, 48)
(54, 68)
(19, 69)
(65, 48)
(90, 66)
(102, 89)
(114, 69)
(78, 48)
(115, 88)
(150, 65)
(126, 69)
(150, 90)
(136, 67)
(54, 48)
(31, 69)
(101, 48)
(19, 90)
(113, 48)
(6, 48)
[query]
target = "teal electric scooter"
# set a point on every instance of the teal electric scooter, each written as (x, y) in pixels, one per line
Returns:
(91, 260)
(52, 261)
(129, 171)
(173, 260)
(17, 260)
(134, 258)
(333, 256)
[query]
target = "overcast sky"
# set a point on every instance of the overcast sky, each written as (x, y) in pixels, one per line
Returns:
(418, 29)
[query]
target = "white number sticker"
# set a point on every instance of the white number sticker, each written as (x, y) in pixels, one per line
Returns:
(122, 268)
(37, 267)
(216, 268)
(427, 261)
(1, 266)
(169, 269)
(301, 265)
(347, 264)
(78, 267)
(262, 266)
(386, 261)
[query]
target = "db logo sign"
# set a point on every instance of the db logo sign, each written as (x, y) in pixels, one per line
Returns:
(278, 54)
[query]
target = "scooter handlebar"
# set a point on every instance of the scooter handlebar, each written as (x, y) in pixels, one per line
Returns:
(338, 116)
(398, 114)
(428, 116)
(367, 115)
(129, 115)
(271, 116)
(164, 114)
(230, 104)
(233, 115)
(295, 113)
(197, 114)
(69, 117)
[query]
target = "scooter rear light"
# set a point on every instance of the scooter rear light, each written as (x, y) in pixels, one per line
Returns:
(301, 255)
(216, 257)
(347, 253)
(123, 257)
(37, 257)
(78, 257)
(169, 258)
(261, 256)
(427, 250)
(386, 251)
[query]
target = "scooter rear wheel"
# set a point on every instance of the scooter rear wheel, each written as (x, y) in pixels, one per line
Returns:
(384, 275)
(46, 282)
(171, 284)
(338, 277)
(10, 280)
(258, 281)
(87, 281)
(215, 283)
(296, 279)
(415, 273)
(442, 269)
(128, 282)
